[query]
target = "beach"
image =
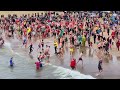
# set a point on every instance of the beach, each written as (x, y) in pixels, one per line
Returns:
(111, 68)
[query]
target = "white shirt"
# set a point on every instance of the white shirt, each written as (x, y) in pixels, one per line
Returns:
(33, 33)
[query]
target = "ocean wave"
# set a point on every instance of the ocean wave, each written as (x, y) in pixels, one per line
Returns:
(62, 73)
(65, 73)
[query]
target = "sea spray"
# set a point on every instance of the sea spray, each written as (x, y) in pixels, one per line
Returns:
(65, 73)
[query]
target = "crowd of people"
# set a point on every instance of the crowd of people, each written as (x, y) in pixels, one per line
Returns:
(70, 29)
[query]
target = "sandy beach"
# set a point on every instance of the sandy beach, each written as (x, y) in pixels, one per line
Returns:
(111, 67)
(19, 13)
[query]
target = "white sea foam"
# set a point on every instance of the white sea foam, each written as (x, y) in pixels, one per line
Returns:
(8, 45)
(65, 73)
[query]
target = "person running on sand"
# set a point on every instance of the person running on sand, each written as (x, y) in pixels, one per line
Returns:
(24, 42)
(39, 45)
(47, 49)
(42, 43)
(59, 53)
(31, 48)
(55, 46)
(40, 56)
(71, 50)
(80, 58)
(100, 68)
(118, 44)
(66, 41)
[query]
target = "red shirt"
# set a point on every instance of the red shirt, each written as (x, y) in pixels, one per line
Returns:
(81, 26)
(25, 31)
(118, 43)
(38, 26)
(73, 22)
(113, 33)
(48, 21)
(37, 64)
(66, 23)
(46, 30)
(73, 63)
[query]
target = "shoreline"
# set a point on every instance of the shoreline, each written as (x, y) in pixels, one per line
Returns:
(111, 68)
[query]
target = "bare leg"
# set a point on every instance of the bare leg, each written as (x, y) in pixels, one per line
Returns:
(82, 63)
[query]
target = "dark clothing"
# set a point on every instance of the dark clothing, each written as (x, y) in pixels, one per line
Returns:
(72, 67)
(58, 40)
(94, 38)
(66, 39)
(55, 49)
(31, 48)
(89, 41)
(108, 31)
(98, 37)
(73, 40)
(63, 44)
(11, 62)
(80, 59)
(104, 38)
(107, 47)
(110, 41)
(100, 65)
(42, 44)
(118, 45)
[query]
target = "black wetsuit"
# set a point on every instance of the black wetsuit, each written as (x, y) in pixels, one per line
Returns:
(107, 47)
(42, 44)
(100, 65)
(94, 38)
(108, 31)
(73, 40)
(31, 48)
(89, 41)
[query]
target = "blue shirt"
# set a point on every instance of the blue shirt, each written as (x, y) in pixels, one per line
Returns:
(11, 62)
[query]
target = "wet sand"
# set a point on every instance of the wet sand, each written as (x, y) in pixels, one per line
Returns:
(111, 67)
(19, 13)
